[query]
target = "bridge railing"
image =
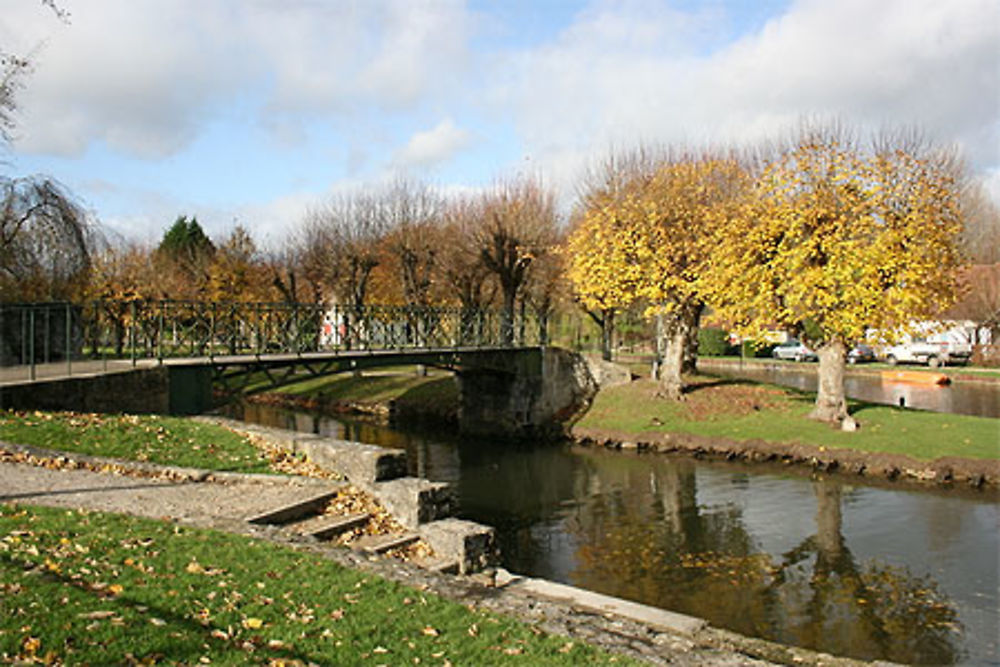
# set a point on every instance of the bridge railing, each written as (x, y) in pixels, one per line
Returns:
(67, 338)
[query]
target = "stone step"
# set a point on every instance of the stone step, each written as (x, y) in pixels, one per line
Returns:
(297, 510)
(379, 544)
(328, 526)
(441, 564)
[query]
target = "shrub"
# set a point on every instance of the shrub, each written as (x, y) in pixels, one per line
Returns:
(752, 348)
(713, 342)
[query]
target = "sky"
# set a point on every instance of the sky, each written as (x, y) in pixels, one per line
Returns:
(253, 112)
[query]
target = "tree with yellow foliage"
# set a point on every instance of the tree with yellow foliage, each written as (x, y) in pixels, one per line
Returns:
(686, 202)
(843, 239)
(648, 236)
(604, 256)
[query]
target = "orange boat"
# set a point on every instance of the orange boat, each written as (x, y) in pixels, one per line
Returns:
(917, 377)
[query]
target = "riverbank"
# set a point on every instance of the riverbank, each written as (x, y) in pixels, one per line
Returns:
(735, 419)
(727, 419)
(171, 577)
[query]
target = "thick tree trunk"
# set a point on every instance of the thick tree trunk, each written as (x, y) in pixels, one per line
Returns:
(831, 404)
(691, 344)
(672, 345)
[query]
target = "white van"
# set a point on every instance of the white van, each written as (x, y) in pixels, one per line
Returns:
(934, 344)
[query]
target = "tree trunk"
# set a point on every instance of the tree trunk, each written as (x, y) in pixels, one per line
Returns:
(673, 343)
(607, 333)
(507, 318)
(831, 404)
(691, 344)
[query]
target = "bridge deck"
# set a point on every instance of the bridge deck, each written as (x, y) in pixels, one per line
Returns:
(24, 374)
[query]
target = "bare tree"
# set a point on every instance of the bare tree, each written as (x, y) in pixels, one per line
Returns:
(517, 225)
(46, 240)
(981, 234)
(411, 215)
(340, 244)
(13, 69)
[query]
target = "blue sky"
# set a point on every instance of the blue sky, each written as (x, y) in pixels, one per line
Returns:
(252, 111)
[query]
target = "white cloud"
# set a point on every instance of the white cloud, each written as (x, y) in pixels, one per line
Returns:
(430, 147)
(635, 73)
(146, 77)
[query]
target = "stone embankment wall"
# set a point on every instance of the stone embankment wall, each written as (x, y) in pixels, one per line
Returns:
(949, 471)
(421, 505)
(138, 391)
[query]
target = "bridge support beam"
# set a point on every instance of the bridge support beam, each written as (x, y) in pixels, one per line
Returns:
(538, 395)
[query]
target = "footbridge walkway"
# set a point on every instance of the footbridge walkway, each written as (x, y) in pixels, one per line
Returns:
(187, 357)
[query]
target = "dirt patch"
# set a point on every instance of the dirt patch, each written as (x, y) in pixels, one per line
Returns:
(705, 398)
(946, 471)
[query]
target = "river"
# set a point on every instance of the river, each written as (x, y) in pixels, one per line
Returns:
(980, 398)
(868, 570)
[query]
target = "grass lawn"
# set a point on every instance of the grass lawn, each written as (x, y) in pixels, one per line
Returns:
(401, 385)
(164, 440)
(742, 410)
(80, 588)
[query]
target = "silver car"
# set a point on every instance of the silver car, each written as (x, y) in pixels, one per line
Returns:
(794, 350)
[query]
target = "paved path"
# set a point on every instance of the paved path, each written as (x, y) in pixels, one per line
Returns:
(235, 499)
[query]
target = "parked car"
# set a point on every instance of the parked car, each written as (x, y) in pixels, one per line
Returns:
(934, 353)
(860, 353)
(933, 343)
(794, 350)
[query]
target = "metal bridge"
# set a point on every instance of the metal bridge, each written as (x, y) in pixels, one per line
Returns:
(187, 357)
(247, 345)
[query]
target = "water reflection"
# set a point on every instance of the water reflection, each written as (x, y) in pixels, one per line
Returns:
(865, 571)
(641, 532)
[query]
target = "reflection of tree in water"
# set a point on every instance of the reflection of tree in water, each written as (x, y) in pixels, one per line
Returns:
(874, 610)
(642, 536)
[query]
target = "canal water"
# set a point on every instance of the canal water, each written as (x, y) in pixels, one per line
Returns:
(965, 397)
(856, 569)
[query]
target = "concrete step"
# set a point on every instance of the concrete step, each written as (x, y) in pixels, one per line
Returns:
(379, 544)
(328, 526)
(297, 510)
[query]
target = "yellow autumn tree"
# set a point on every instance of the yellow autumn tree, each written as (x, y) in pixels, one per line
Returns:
(604, 254)
(842, 239)
(683, 205)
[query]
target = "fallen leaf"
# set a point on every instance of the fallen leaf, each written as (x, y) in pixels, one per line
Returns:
(430, 632)
(253, 623)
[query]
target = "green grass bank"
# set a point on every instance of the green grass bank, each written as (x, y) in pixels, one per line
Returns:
(154, 439)
(93, 588)
(743, 411)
